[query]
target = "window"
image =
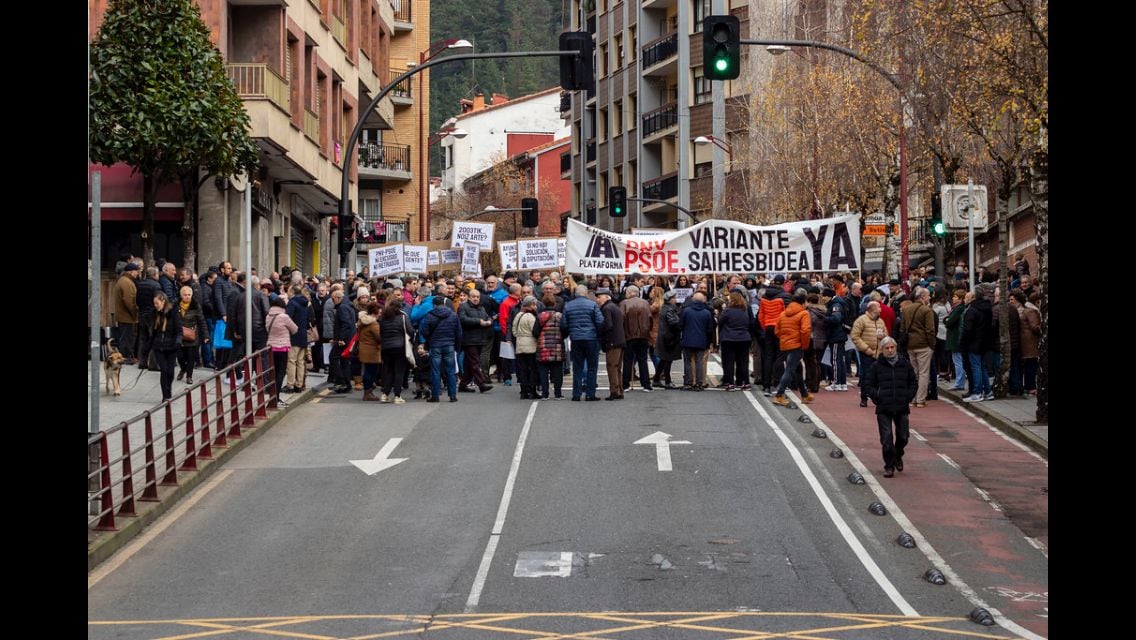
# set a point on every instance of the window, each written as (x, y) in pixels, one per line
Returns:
(601, 190)
(632, 48)
(602, 60)
(617, 118)
(396, 232)
(371, 208)
(703, 88)
(618, 62)
(702, 8)
(601, 134)
(632, 111)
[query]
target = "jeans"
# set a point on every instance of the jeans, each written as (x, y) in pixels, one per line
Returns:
(957, 358)
(394, 371)
(978, 371)
(443, 357)
(370, 375)
(1015, 387)
(551, 372)
(207, 347)
(125, 335)
(792, 373)
(585, 367)
(693, 374)
(1030, 367)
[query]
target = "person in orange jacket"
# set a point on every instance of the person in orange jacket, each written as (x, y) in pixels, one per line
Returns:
(794, 332)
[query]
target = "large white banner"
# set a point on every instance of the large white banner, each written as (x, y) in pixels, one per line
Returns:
(479, 232)
(719, 246)
(414, 258)
(508, 253)
(385, 260)
(539, 253)
(469, 260)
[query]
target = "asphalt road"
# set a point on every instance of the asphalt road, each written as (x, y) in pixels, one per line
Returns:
(753, 528)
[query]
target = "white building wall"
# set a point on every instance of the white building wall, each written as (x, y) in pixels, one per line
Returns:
(486, 143)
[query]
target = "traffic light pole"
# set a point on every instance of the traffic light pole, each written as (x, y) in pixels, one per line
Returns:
(666, 202)
(357, 132)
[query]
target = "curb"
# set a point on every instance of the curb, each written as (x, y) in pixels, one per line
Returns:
(1011, 428)
(106, 543)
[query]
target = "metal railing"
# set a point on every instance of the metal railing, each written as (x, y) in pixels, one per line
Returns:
(402, 11)
(662, 188)
(661, 118)
(312, 126)
(134, 460)
(660, 49)
(392, 157)
(402, 89)
(338, 30)
(255, 81)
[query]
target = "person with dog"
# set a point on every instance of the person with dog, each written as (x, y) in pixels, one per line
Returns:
(193, 334)
(125, 301)
(165, 340)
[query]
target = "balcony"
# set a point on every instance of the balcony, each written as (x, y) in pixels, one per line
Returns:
(403, 20)
(660, 56)
(664, 187)
(339, 30)
(312, 126)
(402, 94)
(385, 161)
(255, 81)
(660, 120)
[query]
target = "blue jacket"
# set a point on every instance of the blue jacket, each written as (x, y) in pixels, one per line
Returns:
(582, 319)
(734, 325)
(838, 316)
(697, 326)
(300, 310)
(441, 328)
(419, 311)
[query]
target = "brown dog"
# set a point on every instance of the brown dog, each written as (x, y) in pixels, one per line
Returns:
(112, 367)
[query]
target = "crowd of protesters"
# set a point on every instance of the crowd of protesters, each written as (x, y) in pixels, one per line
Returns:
(382, 336)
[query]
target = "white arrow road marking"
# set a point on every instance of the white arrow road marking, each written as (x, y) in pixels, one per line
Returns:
(381, 461)
(662, 444)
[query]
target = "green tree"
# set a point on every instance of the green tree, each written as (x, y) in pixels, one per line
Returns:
(160, 102)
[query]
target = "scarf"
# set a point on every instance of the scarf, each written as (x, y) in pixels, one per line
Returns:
(184, 306)
(892, 359)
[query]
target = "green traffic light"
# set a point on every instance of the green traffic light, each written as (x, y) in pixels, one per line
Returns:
(721, 64)
(939, 228)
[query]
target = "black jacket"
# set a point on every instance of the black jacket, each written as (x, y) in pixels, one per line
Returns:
(169, 337)
(147, 289)
(473, 332)
(977, 327)
(891, 387)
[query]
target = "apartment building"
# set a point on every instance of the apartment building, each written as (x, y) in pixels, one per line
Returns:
(650, 103)
(305, 71)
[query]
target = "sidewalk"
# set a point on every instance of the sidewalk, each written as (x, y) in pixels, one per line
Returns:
(141, 393)
(1014, 416)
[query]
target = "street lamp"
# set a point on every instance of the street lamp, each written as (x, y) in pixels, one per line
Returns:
(423, 169)
(492, 209)
(717, 142)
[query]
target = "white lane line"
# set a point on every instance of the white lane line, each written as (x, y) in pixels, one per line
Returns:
(1003, 436)
(921, 542)
(948, 460)
(120, 558)
(1039, 545)
(915, 434)
(502, 510)
(990, 501)
(841, 525)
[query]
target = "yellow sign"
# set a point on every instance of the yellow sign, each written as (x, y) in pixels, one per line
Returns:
(875, 229)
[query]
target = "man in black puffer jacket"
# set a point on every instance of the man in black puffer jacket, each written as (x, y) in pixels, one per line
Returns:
(891, 384)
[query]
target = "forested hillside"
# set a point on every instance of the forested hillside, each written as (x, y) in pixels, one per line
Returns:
(494, 25)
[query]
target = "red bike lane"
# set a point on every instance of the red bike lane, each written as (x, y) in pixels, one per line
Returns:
(978, 498)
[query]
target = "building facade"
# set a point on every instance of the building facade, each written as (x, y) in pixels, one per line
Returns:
(305, 71)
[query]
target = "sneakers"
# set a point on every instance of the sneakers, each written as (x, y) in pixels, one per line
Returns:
(781, 400)
(466, 389)
(746, 387)
(484, 387)
(767, 392)
(863, 402)
(988, 396)
(899, 464)
(399, 400)
(889, 472)
(978, 397)
(433, 399)
(509, 382)
(731, 387)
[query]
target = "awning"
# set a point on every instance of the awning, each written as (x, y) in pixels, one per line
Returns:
(122, 196)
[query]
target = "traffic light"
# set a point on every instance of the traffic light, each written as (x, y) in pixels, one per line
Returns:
(576, 72)
(530, 214)
(721, 49)
(938, 227)
(346, 233)
(617, 196)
